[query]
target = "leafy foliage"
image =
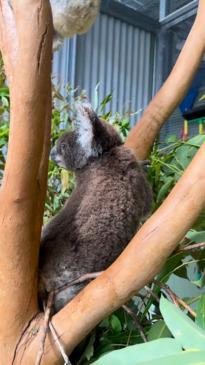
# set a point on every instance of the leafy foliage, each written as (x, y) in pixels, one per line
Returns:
(168, 164)
(187, 346)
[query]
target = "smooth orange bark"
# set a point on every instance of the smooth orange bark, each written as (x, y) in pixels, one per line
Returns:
(26, 43)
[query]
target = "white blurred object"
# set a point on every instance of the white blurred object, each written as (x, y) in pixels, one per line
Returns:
(72, 17)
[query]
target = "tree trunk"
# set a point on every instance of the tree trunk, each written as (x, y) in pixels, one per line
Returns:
(28, 65)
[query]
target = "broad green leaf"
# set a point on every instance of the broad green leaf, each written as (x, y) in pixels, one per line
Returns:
(137, 354)
(172, 138)
(200, 282)
(165, 189)
(182, 327)
(184, 155)
(200, 311)
(184, 358)
(89, 350)
(196, 140)
(196, 236)
(158, 330)
(115, 323)
(200, 222)
(170, 266)
(4, 91)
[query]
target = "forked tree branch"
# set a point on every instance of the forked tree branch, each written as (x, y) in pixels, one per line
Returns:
(146, 253)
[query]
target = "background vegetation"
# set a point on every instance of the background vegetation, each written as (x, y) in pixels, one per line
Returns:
(146, 318)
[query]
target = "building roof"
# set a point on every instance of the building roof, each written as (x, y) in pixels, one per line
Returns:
(151, 8)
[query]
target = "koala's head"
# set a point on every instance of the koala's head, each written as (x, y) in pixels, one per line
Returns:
(90, 139)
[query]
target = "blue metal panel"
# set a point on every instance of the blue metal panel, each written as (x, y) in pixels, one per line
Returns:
(64, 62)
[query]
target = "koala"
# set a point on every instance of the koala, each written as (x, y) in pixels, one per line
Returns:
(103, 213)
(72, 17)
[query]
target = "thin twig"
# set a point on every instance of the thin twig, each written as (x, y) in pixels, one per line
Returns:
(45, 327)
(194, 247)
(153, 294)
(168, 291)
(136, 321)
(80, 280)
(174, 297)
(59, 345)
(48, 324)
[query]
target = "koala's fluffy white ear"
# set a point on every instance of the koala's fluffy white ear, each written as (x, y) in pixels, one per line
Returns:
(84, 127)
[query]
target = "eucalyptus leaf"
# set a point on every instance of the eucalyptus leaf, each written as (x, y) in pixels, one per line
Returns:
(115, 323)
(196, 140)
(89, 350)
(196, 236)
(64, 180)
(182, 327)
(137, 354)
(184, 155)
(172, 263)
(200, 312)
(184, 358)
(165, 189)
(200, 282)
(158, 330)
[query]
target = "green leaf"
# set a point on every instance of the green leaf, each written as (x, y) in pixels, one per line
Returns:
(200, 312)
(184, 155)
(196, 236)
(137, 354)
(165, 189)
(172, 263)
(158, 330)
(64, 180)
(89, 350)
(115, 323)
(4, 91)
(182, 327)
(185, 358)
(196, 140)
(200, 282)
(172, 138)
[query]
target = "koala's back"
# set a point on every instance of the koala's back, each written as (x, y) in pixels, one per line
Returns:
(98, 221)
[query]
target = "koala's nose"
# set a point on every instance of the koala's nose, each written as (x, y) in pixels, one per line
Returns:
(53, 153)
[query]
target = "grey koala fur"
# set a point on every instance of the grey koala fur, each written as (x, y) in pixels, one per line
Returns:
(104, 211)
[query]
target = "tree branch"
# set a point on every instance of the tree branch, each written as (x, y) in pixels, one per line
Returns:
(28, 65)
(8, 37)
